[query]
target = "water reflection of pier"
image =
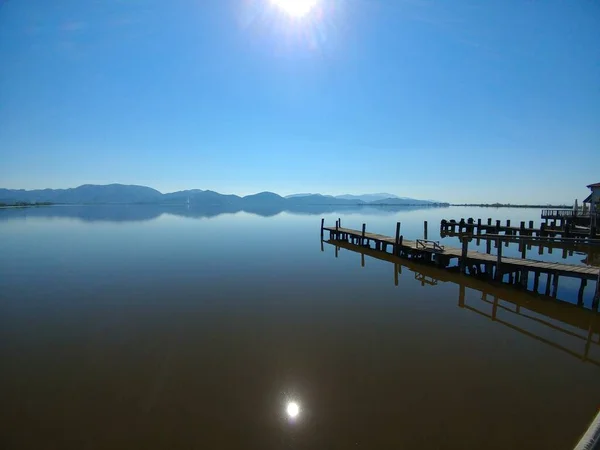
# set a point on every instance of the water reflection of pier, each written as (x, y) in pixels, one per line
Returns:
(570, 321)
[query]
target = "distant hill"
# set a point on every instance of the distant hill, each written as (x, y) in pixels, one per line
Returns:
(87, 193)
(133, 194)
(200, 197)
(318, 199)
(298, 195)
(366, 197)
(404, 201)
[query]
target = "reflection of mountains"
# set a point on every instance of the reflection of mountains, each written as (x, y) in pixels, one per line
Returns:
(522, 311)
(136, 213)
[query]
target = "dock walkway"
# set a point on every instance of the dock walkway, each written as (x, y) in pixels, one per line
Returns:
(496, 267)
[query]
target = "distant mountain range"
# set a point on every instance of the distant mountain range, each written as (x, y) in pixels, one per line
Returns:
(131, 194)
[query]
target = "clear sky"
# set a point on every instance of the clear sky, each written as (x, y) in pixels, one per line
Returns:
(462, 100)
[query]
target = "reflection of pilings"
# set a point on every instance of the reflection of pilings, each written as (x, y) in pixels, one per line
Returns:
(564, 312)
(586, 322)
(534, 336)
(514, 270)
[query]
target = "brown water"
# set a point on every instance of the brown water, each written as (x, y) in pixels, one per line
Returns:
(178, 332)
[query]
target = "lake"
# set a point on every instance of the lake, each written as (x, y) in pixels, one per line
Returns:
(150, 327)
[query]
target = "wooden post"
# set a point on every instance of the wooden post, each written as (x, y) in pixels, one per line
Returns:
(498, 225)
(395, 274)
(364, 228)
(463, 257)
(522, 230)
(555, 285)
(489, 221)
(337, 249)
(362, 260)
(580, 293)
(489, 270)
(478, 226)
(536, 282)
(340, 222)
(531, 224)
(425, 230)
(523, 250)
(499, 261)
(524, 278)
(322, 225)
(397, 246)
(488, 246)
(548, 283)
(508, 222)
(596, 300)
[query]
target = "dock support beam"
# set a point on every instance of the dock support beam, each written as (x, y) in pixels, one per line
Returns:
(548, 282)
(499, 262)
(536, 282)
(596, 300)
(463, 256)
(425, 230)
(397, 241)
(322, 226)
(364, 229)
(555, 285)
(524, 278)
(580, 293)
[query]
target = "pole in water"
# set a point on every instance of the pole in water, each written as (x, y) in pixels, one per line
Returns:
(596, 300)
(322, 225)
(397, 247)
(364, 228)
(425, 230)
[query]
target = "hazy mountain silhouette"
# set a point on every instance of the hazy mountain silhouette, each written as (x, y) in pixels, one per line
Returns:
(87, 193)
(401, 201)
(132, 194)
(367, 197)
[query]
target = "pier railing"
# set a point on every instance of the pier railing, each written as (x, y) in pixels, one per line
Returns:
(564, 213)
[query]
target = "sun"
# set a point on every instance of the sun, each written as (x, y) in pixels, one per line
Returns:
(296, 8)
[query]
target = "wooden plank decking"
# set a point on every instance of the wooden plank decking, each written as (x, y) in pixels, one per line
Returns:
(494, 267)
(590, 273)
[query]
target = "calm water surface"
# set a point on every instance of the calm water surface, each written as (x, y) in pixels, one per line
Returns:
(133, 327)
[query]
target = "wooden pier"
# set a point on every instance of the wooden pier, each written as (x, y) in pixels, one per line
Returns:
(567, 320)
(497, 267)
(553, 229)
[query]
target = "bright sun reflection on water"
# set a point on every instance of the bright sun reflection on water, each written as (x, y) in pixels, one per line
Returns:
(292, 409)
(296, 8)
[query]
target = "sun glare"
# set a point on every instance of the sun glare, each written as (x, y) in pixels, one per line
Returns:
(296, 8)
(292, 410)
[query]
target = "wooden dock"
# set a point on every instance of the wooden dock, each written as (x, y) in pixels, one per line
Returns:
(566, 319)
(565, 230)
(493, 267)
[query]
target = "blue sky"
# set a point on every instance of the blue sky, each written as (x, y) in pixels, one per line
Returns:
(458, 101)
